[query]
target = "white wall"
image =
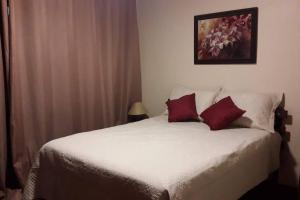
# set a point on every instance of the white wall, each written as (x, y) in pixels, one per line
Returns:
(166, 39)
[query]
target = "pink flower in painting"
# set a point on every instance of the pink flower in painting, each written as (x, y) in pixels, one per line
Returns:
(226, 33)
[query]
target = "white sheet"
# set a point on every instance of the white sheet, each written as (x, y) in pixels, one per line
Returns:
(186, 159)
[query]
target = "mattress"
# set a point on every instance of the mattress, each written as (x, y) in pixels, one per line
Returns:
(153, 159)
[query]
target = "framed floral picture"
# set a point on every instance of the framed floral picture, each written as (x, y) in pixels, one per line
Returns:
(226, 38)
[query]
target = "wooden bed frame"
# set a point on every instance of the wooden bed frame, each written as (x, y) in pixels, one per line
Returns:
(281, 116)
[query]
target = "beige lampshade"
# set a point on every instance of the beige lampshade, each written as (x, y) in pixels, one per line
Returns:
(137, 109)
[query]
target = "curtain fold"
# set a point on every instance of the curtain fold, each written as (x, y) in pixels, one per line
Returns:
(3, 132)
(74, 67)
(4, 74)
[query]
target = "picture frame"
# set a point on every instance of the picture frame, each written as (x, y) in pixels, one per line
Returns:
(228, 37)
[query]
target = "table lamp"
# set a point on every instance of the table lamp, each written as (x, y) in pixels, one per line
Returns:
(137, 112)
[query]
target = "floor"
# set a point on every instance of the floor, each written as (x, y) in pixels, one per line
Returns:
(272, 191)
(13, 195)
(264, 191)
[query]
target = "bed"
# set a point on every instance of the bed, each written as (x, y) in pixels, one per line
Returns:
(154, 160)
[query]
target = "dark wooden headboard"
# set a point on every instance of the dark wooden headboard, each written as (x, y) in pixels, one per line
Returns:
(281, 116)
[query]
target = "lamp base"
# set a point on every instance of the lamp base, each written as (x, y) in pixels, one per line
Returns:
(135, 118)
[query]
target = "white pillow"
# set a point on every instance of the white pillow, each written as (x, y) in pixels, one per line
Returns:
(203, 98)
(260, 108)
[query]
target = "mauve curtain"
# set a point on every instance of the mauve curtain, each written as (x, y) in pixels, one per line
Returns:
(4, 59)
(3, 133)
(75, 67)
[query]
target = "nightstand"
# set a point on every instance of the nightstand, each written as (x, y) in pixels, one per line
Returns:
(135, 118)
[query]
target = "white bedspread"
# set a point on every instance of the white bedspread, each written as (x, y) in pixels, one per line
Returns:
(187, 160)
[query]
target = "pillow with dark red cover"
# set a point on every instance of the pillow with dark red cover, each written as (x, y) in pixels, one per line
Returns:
(221, 114)
(182, 109)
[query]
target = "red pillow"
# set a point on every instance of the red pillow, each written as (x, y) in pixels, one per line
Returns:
(221, 114)
(182, 109)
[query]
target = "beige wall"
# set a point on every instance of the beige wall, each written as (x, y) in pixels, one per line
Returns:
(166, 39)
